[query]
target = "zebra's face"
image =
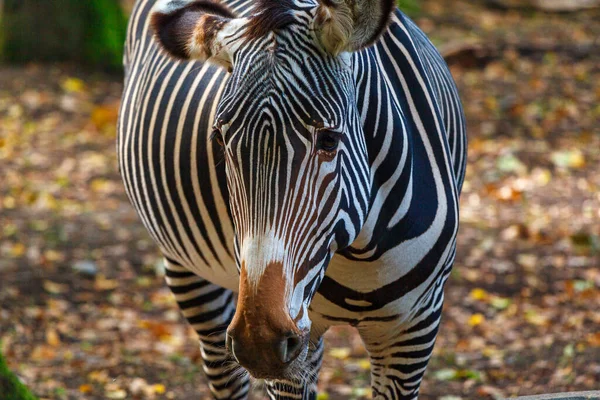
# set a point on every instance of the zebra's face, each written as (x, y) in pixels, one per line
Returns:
(295, 155)
(297, 171)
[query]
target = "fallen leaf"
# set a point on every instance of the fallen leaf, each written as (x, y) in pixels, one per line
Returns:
(341, 353)
(73, 85)
(43, 353)
(445, 374)
(159, 388)
(54, 288)
(479, 294)
(102, 283)
(365, 364)
(52, 338)
(105, 116)
(568, 159)
(476, 319)
(509, 163)
(492, 391)
(159, 330)
(594, 339)
(500, 303)
(98, 376)
(116, 394)
(85, 388)
(535, 318)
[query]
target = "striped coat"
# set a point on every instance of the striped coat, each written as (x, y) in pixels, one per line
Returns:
(392, 247)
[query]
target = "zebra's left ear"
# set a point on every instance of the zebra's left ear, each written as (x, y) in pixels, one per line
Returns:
(351, 25)
(194, 30)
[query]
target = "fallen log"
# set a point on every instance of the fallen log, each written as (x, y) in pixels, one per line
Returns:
(548, 5)
(472, 54)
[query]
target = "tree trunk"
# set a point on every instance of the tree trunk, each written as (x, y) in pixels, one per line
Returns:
(89, 32)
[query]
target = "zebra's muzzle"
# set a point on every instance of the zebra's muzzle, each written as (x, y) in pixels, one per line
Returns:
(268, 360)
(262, 336)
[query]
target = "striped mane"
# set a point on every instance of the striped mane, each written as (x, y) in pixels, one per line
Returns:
(269, 16)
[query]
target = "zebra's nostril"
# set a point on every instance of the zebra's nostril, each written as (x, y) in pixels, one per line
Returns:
(230, 346)
(289, 348)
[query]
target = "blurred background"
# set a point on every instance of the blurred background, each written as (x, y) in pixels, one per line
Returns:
(84, 312)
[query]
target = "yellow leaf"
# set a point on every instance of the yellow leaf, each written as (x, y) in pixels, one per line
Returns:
(144, 324)
(18, 249)
(341, 353)
(476, 319)
(159, 388)
(117, 394)
(322, 396)
(52, 338)
(536, 319)
(30, 197)
(568, 159)
(100, 185)
(479, 294)
(68, 355)
(9, 202)
(365, 364)
(500, 303)
(53, 255)
(491, 103)
(102, 283)
(541, 176)
(73, 85)
(105, 115)
(491, 352)
(85, 388)
(54, 288)
(577, 160)
(98, 376)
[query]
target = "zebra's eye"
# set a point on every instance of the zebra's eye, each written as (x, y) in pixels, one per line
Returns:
(328, 141)
(218, 137)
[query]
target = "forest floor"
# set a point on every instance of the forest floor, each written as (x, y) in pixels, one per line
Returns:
(84, 312)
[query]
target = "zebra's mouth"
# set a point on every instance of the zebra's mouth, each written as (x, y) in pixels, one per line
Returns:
(293, 371)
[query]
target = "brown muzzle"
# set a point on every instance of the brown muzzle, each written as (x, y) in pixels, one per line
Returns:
(262, 336)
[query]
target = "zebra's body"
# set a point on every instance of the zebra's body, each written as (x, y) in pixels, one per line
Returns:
(388, 282)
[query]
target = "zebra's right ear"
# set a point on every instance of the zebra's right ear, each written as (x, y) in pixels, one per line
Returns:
(194, 30)
(351, 25)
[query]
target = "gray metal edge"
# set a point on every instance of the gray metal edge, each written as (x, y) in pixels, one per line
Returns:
(564, 396)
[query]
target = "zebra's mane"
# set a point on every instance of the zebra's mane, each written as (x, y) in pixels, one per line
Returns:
(271, 15)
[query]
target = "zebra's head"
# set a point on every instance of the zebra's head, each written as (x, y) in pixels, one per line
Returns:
(295, 152)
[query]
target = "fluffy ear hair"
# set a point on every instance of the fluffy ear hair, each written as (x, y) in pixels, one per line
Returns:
(189, 29)
(350, 25)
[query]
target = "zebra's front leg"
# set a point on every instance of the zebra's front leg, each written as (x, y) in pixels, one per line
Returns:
(399, 354)
(209, 309)
(305, 388)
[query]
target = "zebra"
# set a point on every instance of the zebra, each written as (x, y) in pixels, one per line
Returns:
(298, 164)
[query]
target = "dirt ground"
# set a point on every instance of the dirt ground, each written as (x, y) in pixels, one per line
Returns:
(84, 312)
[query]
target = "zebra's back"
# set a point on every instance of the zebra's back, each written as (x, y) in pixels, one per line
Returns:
(174, 175)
